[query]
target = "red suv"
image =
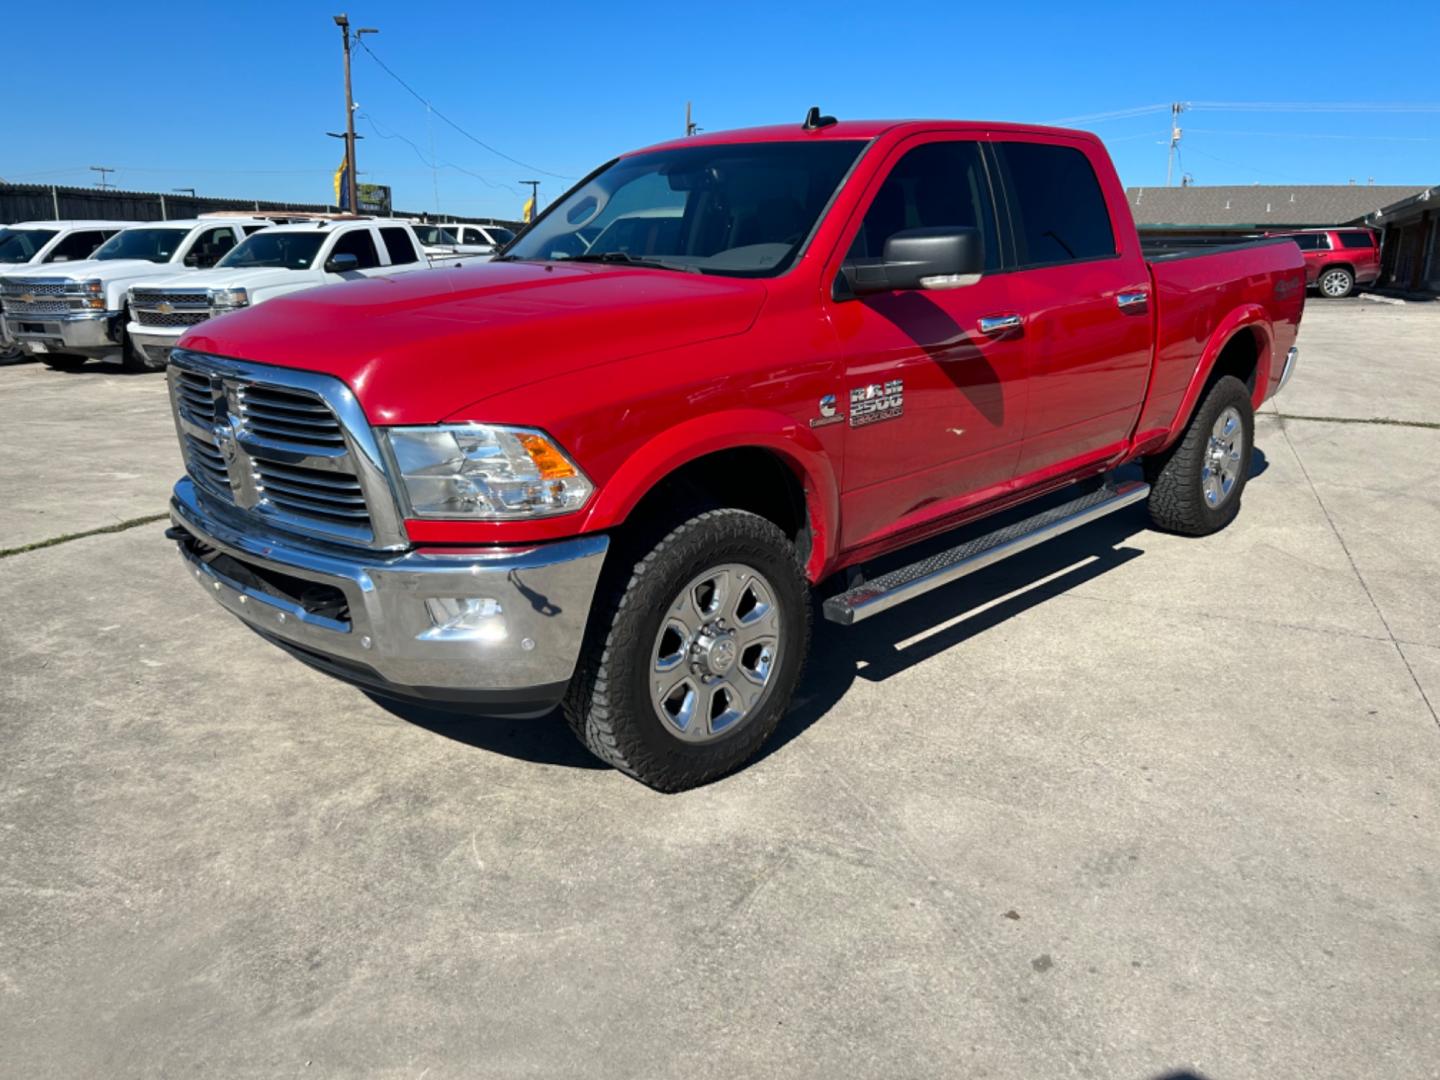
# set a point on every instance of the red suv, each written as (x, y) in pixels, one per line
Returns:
(1338, 260)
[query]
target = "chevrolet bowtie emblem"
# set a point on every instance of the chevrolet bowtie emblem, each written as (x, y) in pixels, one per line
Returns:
(27, 297)
(165, 307)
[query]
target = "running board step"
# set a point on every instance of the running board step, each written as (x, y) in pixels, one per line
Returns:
(908, 582)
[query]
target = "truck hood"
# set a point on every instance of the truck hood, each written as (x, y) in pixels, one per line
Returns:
(230, 278)
(105, 269)
(420, 348)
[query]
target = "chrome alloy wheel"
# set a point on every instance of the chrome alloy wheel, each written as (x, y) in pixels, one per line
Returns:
(1223, 457)
(716, 650)
(1335, 283)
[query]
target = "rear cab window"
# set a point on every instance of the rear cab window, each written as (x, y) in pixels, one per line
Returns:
(1057, 207)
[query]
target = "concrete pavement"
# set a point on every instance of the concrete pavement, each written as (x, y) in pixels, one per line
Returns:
(1127, 806)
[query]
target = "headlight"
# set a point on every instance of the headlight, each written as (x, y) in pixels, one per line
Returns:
(93, 293)
(485, 472)
(229, 299)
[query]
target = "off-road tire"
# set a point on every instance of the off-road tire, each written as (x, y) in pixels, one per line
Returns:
(132, 357)
(1335, 283)
(1177, 501)
(608, 704)
(62, 361)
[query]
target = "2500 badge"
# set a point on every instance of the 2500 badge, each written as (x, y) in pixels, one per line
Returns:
(870, 404)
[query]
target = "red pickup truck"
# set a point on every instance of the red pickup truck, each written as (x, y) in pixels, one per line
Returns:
(611, 474)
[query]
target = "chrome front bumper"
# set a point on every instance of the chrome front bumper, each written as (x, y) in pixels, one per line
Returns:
(155, 342)
(514, 660)
(89, 333)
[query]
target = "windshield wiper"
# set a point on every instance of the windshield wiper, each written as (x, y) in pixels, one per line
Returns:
(630, 260)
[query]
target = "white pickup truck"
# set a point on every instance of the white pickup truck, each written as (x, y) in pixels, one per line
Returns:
(30, 244)
(484, 238)
(275, 261)
(68, 315)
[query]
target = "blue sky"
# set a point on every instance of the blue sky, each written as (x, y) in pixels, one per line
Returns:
(235, 99)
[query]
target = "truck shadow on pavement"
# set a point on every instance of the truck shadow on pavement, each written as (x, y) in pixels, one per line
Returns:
(873, 651)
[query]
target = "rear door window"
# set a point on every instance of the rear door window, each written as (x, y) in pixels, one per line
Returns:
(358, 242)
(398, 245)
(1307, 241)
(1056, 205)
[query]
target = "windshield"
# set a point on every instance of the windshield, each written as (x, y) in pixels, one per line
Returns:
(434, 236)
(740, 209)
(20, 245)
(280, 250)
(154, 245)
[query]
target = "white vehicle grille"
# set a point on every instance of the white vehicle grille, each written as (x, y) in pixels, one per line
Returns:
(166, 308)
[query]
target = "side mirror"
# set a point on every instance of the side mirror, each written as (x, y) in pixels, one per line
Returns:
(939, 257)
(341, 263)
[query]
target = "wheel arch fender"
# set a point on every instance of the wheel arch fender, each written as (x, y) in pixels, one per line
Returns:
(671, 450)
(1247, 318)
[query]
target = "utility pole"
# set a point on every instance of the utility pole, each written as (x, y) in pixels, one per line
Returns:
(104, 171)
(1176, 108)
(690, 126)
(343, 21)
(534, 198)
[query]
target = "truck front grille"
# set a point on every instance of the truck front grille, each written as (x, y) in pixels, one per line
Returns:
(21, 297)
(268, 442)
(165, 307)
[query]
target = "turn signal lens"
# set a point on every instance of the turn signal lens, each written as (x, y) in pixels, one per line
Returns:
(553, 465)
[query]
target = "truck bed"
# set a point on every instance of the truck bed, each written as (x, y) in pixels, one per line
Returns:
(1202, 294)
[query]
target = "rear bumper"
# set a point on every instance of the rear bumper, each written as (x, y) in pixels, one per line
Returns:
(363, 616)
(88, 333)
(1292, 358)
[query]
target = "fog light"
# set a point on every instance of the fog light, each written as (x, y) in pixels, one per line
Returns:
(475, 618)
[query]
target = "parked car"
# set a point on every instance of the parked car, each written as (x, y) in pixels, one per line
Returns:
(70, 314)
(494, 236)
(442, 247)
(28, 244)
(272, 262)
(612, 480)
(1337, 261)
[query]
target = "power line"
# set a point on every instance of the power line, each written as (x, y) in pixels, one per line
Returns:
(431, 162)
(477, 141)
(1317, 106)
(1316, 135)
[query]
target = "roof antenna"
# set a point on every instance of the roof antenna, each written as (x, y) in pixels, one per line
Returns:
(814, 121)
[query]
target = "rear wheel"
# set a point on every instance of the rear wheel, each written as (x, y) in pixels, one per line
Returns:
(694, 651)
(1195, 486)
(1336, 283)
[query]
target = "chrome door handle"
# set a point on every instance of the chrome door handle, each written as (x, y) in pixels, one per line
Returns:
(999, 324)
(1132, 299)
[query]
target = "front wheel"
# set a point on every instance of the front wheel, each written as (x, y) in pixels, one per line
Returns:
(1195, 486)
(694, 651)
(1337, 283)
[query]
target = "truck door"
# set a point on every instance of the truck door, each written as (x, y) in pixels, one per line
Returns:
(933, 405)
(1085, 303)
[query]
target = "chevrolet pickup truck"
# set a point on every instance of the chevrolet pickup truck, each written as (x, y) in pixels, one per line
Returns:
(28, 245)
(612, 480)
(68, 315)
(273, 262)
